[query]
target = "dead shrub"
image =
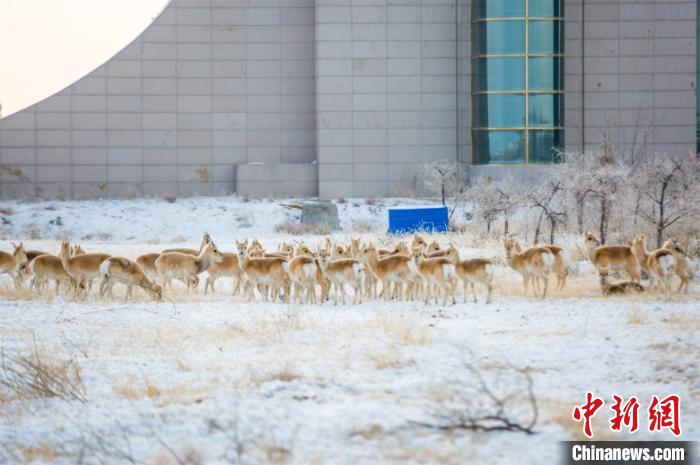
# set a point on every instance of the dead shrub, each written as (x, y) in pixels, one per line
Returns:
(35, 375)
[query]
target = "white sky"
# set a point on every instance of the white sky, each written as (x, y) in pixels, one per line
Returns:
(46, 45)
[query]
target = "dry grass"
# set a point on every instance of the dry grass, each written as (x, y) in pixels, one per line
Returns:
(368, 433)
(298, 229)
(560, 413)
(35, 375)
(135, 389)
(403, 332)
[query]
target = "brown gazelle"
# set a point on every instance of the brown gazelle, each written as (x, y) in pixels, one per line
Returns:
(341, 272)
(392, 269)
(11, 263)
(472, 271)
(621, 288)
(228, 267)
(683, 268)
(661, 264)
(122, 270)
(46, 268)
(608, 258)
(418, 242)
(264, 273)
(560, 268)
(302, 270)
(23, 270)
(185, 267)
(147, 262)
(533, 264)
(438, 272)
(84, 267)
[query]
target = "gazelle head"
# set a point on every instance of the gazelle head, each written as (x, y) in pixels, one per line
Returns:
(324, 258)
(76, 250)
(419, 242)
(417, 255)
(368, 252)
(433, 247)
(242, 249)
(512, 247)
(402, 249)
(674, 247)
(65, 249)
(590, 240)
(213, 252)
(303, 249)
(157, 292)
(452, 253)
(355, 244)
(286, 248)
(339, 252)
(19, 253)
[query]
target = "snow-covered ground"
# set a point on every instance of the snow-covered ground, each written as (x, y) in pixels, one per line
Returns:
(215, 379)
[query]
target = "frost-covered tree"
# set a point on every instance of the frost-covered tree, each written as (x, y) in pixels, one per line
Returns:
(669, 190)
(446, 177)
(495, 199)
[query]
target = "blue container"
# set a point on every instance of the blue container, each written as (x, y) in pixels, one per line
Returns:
(403, 220)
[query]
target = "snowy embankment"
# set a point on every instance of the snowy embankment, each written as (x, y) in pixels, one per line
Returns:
(215, 379)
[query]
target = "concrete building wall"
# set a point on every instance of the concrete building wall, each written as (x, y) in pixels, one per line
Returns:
(211, 85)
(333, 97)
(386, 93)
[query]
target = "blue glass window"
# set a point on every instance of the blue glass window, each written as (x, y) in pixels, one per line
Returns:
(544, 37)
(500, 147)
(501, 37)
(500, 110)
(517, 102)
(500, 8)
(500, 73)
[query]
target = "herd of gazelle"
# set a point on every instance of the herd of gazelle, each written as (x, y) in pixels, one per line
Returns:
(294, 273)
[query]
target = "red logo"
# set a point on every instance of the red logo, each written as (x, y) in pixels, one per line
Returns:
(662, 413)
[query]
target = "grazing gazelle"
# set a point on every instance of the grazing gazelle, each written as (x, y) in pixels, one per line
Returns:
(341, 272)
(683, 268)
(473, 271)
(263, 272)
(122, 270)
(608, 258)
(23, 270)
(84, 267)
(186, 268)
(436, 271)
(11, 263)
(533, 264)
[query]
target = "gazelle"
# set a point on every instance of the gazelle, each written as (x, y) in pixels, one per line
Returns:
(439, 272)
(418, 242)
(608, 258)
(341, 272)
(47, 267)
(391, 269)
(147, 262)
(122, 270)
(23, 270)
(622, 288)
(302, 270)
(683, 268)
(186, 267)
(228, 267)
(533, 264)
(84, 267)
(263, 272)
(560, 268)
(11, 263)
(661, 264)
(473, 271)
